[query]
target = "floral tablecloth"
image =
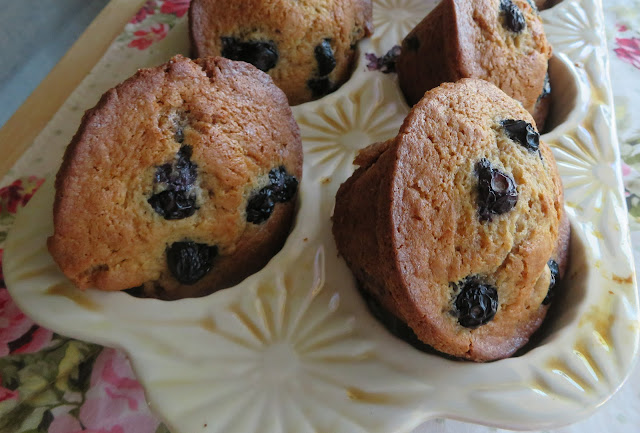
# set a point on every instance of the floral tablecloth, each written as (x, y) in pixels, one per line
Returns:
(50, 383)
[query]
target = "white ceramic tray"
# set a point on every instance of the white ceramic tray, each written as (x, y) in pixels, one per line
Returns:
(294, 349)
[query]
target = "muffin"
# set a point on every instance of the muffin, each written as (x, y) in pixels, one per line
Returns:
(456, 226)
(307, 47)
(501, 41)
(181, 181)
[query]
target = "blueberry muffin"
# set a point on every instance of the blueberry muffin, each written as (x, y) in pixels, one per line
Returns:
(307, 47)
(181, 181)
(456, 226)
(501, 41)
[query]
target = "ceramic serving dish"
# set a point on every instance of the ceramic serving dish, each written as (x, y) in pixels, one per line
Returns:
(293, 348)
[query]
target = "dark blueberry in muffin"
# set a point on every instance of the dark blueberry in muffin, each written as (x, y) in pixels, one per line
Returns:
(412, 43)
(497, 191)
(283, 185)
(319, 86)
(180, 121)
(546, 88)
(553, 267)
(261, 54)
(476, 304)
(174, 194)
(188, 261)
(173, 205)
(179, 135)
(282, 188)
(260, 205)
(513, 17)
(181, 172)
(324, 57)
(522, 133)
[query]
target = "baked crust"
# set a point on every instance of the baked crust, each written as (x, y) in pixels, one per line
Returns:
(407, 222)
(296, 28)
(467, 39)
(238, 125)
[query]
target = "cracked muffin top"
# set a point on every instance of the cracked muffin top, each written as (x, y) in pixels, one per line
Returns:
(181, 180)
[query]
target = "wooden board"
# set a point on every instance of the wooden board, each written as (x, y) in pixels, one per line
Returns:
(24, 126)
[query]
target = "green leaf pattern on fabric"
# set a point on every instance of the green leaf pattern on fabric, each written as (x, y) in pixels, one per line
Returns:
(43, 381)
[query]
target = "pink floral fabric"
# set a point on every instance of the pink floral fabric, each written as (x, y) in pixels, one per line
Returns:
(628, 49)
(18, 194)
(18, 333)
(144, 38)
(147, 9)
(114, 403)
(153, 22)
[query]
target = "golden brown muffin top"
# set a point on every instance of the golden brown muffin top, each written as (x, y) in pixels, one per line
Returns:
(292, 35)
(238, 126)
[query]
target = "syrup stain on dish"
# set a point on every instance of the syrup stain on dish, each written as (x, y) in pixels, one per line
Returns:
(622, 280)
(208, 324)
(602, 318)
(367, 397)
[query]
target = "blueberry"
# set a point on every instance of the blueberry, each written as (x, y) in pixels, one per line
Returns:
(282, 188)
(189, 261)
(175, 180)
(324, 57)
(514, 19)
(523, 133)
(476, 304)
(385, 64)
(412, 43)
(180, 120)
(173, 205)
(181, 173)
(546, 88)
(283, 185)
(179, 135)
(319, 86)
(497, 191)
(260, 205)
(553, 267)
(261, 54)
